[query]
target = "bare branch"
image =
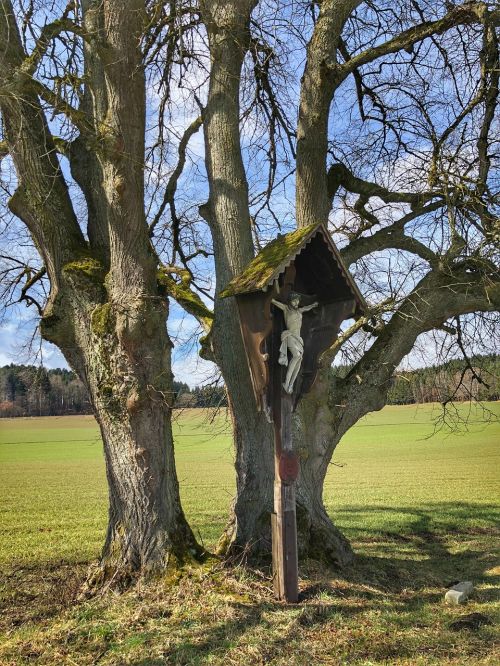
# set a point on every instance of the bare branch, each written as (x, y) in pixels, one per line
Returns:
(169, 196)
(468, 12)
(47, 34)
(78, 117)
(4, 149)
(392, 236)
(50, 219)
(490, 73)
(438, 297)
(27, 286)
(370, 322)
(340, 175)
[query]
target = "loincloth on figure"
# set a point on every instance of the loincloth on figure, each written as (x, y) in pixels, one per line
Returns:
(290, 341)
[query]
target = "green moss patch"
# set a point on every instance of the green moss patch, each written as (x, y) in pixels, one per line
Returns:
(87, 274)
(102, 320)
(185, 296)
(268, 264)
(87, 266)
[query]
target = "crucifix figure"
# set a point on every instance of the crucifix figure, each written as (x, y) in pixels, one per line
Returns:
(290, 338)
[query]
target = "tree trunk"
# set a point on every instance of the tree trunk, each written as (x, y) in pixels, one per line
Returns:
(146, 527)
(228, 216)
(314, 435)
(315, 440)
(322, 76)
(330, 410)
(122, 353)
(105, 311)
(248, 533)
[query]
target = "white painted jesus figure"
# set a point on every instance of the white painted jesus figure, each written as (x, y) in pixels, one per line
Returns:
(290, 338)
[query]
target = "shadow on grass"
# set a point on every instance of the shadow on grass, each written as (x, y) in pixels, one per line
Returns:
(439, 547)
(432, 543)
(36, 593)
(401, 575)
(429, 517)
(211, 641)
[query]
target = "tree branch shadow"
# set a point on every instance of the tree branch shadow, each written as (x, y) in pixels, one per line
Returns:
(405, 577)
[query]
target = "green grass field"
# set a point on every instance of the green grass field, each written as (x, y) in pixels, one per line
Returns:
(421, 511)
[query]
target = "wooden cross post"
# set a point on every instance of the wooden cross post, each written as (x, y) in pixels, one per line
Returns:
(284, 522)
(304, 263)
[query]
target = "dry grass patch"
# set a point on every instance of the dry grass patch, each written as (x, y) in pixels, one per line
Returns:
(381, 610)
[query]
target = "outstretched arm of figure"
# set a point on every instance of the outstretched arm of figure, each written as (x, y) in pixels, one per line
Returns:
(278, 304)
(308, 307)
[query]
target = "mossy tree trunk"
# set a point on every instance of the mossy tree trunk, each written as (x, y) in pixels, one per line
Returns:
(448, 290)
(105, 310)
(122, 353)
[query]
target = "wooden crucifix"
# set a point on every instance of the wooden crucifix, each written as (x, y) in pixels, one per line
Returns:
(292, 299)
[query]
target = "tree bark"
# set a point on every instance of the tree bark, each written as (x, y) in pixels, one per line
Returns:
(329, 411)
(105, 311)
(228, 216)
(122, 353)
(322, 76)
(314, 436)
(321, 423)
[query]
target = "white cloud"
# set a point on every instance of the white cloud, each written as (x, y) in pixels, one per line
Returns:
(191, 369)
(15, 347)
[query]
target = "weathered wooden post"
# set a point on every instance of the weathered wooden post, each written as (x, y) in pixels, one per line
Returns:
(292, 298)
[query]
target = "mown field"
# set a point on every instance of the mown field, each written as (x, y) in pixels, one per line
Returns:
(421, 511)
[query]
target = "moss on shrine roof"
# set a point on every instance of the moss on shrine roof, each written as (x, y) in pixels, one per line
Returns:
(270, 262)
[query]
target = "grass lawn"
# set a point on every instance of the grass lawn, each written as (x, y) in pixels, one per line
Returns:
(421, 512)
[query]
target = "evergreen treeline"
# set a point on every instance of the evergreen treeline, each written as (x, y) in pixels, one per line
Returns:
(201, 396)
(451, 381)
(26, 390)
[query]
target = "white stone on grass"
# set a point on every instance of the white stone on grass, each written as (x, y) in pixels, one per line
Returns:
(459, 593)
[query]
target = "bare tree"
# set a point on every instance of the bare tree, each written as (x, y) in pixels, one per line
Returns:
(395, 130)
(83, 72)
(387, 133)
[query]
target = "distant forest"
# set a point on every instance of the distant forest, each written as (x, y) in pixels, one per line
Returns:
(27, 390)
(455, 380)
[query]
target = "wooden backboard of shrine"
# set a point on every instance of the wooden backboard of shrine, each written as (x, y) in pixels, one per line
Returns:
(307, 262)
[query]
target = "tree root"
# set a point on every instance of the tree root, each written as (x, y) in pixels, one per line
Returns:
(319, 539)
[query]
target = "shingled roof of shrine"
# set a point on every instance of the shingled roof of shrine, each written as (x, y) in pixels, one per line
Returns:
(277, 255)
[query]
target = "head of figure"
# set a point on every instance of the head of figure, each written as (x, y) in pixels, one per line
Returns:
(294, 299)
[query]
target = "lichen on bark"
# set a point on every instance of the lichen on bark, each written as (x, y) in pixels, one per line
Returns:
(102, 320)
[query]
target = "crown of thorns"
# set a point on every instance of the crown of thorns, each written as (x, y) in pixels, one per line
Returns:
(293, 295)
